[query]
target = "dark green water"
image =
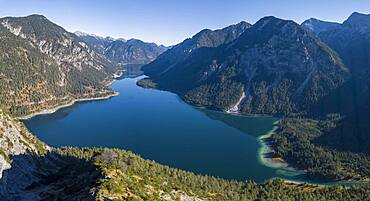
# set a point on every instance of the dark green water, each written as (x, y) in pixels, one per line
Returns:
(159, 126)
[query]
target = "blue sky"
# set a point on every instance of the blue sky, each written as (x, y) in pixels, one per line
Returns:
(169, 22)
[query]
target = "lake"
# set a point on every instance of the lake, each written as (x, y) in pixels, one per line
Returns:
(159, 126)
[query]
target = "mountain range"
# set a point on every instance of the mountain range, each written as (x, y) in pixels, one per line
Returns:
(314, 76)
(272, 67)
(121, 51)
(44, 66)
(351, 40)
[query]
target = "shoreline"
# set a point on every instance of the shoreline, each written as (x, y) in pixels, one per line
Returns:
(286, 170)
(264, 148)
(276, 163)
(55, 109)
(281, 165)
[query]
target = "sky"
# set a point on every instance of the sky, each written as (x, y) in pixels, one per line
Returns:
(169, 22)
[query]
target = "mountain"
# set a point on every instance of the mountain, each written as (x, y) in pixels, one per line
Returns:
(132, 51)
(97, 42)
(318, 26)
(335, 146)
(44, 66)
(65, 47)
(273, 67)
(205, 38)
(358, 21)
(123, 51)
(351, 40)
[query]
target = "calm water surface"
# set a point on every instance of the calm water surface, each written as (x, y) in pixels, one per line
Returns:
(159, 126)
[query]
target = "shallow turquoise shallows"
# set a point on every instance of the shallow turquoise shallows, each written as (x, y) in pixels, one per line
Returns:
(159, 126)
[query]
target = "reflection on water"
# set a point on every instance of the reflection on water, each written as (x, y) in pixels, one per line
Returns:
(250, 125)
(159, 126)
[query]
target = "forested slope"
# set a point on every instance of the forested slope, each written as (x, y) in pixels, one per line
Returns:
(43, 66)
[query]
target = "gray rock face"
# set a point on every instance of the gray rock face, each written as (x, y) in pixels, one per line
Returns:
(16, 140)
(49, 177)
(30, 170)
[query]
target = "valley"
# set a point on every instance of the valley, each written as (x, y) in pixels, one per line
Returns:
(264, 111)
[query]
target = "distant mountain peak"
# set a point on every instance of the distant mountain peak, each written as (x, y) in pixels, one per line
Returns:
(80, 33)
(39, 16)
(242, 24)
(119, 39)
(122, 51)
(84, 34)
(312, 20)
(358, 20)
(271, 21)
(317, 26)
(357, 14)
(34, 19)
(268, 27)
(214, 38)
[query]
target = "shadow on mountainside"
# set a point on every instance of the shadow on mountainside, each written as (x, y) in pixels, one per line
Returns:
(49, 177)
(352, 133)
